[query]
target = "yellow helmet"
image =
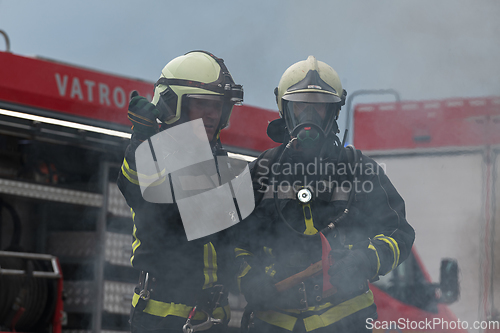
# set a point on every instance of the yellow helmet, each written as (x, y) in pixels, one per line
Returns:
(310, 81)
(195, 74)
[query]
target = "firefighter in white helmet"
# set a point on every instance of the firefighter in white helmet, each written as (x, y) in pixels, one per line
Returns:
(177, 274)
(316, 202)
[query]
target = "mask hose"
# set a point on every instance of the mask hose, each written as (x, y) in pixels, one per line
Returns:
(332, 225)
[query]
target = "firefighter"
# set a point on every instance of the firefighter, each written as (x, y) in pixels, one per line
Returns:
(316, 202)
(177, 274)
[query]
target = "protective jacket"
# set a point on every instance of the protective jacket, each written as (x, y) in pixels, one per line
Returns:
(269, 249)
(181, 273)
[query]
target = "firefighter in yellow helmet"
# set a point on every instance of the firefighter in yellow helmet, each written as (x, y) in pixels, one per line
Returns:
(317, 203)
(176, 274)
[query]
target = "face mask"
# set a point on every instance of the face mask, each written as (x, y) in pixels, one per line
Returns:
(309, 123)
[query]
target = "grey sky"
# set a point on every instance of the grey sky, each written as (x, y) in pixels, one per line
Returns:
(424, 49)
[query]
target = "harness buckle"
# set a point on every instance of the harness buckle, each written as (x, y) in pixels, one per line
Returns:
(218, 291)
(303, 301)
(190, 328)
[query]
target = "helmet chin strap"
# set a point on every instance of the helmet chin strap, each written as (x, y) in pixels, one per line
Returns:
(215, 140)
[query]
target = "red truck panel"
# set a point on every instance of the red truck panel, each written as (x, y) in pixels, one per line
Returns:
(427, 124)
(88, 94)
(67, 89)
(247, 128)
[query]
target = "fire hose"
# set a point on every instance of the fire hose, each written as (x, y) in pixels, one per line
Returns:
(28, 290)
(28, 283)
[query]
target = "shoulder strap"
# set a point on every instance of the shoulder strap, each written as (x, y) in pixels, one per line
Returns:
(260, 171)
(353, 159)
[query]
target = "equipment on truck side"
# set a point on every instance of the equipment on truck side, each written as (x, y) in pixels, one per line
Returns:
(30, 286)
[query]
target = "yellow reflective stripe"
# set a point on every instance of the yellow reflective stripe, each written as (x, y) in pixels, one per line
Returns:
(394, 248)
(242, 274)
(268, 251)
(314, 322)
(134, 176)
(245, 270)
(137, 241)
(129, 177)
(153, 176)
(270, 270)
(338, 312)
(277, 319)
(162, 309)
(210, 267)
(127, 167)
(145, 181)
(311, 308)
(149, 183)
(310, 229)
(371, 247)
(241, 252)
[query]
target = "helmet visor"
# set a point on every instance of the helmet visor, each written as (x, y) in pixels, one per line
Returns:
(206, 96)
(201, 106)
(321, 114)
(312, 97)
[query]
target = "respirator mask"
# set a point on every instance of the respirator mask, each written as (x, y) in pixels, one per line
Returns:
(310, 123)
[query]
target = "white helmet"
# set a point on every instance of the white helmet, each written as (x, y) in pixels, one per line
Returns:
(195, 74)
(310, 81)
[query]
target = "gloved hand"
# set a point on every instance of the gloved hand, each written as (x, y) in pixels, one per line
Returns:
(143, 116)
(351, 269)
(259, 290)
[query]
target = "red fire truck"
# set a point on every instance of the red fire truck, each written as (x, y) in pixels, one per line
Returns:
(63, 131)
(443, 157)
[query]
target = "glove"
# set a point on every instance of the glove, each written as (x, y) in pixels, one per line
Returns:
(259, 289)
(143, 116)
(351, 270)
(261, 293)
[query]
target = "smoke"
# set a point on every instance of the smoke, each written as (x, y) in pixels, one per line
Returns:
(425, 49)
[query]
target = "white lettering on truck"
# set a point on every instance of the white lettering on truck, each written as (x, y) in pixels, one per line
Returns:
(119, 97)
(90, 85)
(61, 85)
(103, 94)
(76, 89)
